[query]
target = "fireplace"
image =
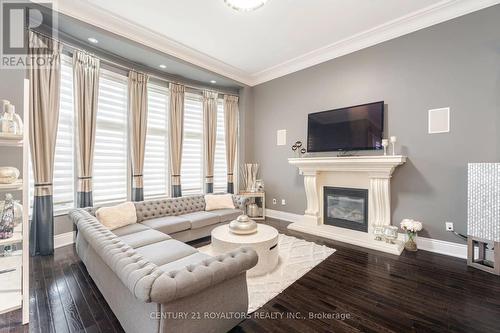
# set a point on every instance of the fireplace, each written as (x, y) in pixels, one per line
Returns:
(346, 208)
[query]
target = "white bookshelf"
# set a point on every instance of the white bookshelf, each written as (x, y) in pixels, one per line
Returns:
(14, 268)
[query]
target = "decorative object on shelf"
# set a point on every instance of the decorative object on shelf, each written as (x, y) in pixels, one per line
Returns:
(259, 185)
(390, 233)
(8, 175)
(253, 210)
(393, 140)
(411, 227)
(11, 214)
(250, 171)
(385, 144)
(378, 232)
(10, 122)
(243, 225)
(298, 149)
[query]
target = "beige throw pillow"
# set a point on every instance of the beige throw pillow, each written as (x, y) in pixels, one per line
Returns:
(218, 201)
(118, 216)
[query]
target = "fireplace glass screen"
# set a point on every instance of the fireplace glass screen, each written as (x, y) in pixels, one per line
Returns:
(346, 208)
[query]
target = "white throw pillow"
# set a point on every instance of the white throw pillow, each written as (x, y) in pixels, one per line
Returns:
(118, 216)
(218, 201)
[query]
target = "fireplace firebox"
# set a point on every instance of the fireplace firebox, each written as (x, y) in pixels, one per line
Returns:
(346, 208)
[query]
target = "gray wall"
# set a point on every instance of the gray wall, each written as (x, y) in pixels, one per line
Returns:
(455, 64)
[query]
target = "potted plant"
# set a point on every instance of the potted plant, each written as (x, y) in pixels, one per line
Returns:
(411, 227)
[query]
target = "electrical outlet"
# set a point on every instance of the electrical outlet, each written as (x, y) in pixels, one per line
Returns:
(283, 202)
(449, 226)
(275, 201)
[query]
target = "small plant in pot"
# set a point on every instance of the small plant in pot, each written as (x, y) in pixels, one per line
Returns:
(411, 227)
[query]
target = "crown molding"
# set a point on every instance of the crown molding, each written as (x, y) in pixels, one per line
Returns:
(442, 11)
(106, 20)
(426, 17)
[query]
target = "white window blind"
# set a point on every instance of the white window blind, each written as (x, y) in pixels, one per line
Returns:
(220, 165)
(156, 157)
(64, 159)
(192, 152)
(110, 154)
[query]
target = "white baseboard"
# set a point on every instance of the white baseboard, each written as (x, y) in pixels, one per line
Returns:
(427, 244)
(64, 239)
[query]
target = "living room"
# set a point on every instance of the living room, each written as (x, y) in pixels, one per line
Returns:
(250, 166)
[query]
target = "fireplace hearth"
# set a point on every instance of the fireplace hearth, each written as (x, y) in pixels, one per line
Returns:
(346, 208)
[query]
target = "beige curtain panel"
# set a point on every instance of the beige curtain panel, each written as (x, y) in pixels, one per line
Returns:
(45, 82)
(138, 113)
(210, 136)
(231, 112)
(86, 92)
(176, 132)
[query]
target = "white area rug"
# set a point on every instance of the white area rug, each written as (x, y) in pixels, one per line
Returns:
(296, 258)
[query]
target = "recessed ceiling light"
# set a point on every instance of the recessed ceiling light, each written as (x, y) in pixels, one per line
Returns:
(163, 66)
(213, 81)
(93, 40)
(245, 5)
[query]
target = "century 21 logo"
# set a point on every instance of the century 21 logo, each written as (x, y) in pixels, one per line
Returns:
(17, 17)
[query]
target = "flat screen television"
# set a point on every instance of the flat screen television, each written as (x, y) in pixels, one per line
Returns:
(353, 128)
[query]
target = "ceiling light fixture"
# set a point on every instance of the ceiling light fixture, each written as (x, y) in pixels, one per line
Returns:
(163, 66)
(93, 40)
(245, 5)
(213, 81)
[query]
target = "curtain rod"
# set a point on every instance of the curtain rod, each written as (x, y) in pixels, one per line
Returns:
(127, 68)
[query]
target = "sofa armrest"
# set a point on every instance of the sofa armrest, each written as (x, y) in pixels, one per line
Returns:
(195, 278)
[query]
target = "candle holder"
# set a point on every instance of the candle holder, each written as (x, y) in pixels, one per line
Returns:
(390, 233)
(393, 140)
(385, 144)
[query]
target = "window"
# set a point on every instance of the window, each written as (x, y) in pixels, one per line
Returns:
(220, 165)
(110, 154)
(156, 161)
(64, 159)
(192, 151)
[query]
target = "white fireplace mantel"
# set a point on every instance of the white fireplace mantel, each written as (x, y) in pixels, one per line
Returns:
(370, 172)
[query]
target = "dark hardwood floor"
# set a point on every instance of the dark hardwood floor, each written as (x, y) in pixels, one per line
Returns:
(354, 290)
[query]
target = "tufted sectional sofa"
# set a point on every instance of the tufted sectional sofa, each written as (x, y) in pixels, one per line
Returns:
(153, 281)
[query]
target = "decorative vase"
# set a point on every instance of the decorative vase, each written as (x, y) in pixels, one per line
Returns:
(411, 242)
(11, 215)
(243, 225)
(10, 122)
(250, 172)
(253, 210)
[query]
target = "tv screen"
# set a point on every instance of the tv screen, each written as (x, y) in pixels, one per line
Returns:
(353, 128)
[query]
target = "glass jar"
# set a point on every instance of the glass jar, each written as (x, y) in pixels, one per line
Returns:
(390, 233)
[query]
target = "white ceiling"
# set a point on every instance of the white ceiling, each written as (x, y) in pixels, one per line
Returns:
(282, 37)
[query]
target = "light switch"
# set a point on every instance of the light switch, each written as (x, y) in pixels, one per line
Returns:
(281, 137)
